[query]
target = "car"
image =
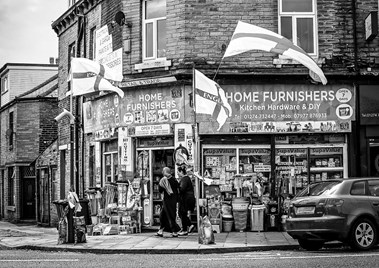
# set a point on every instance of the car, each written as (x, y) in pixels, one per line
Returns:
(345, 210)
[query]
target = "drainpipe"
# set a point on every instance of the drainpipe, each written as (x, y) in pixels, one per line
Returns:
(354, 10)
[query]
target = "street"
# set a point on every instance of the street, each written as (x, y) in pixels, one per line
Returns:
(335, 257)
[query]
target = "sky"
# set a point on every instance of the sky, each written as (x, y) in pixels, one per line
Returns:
(26, 35)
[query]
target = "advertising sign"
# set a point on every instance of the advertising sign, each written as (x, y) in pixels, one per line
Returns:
(285, 108)
(125, 150)
(104, 44)
(138, 107)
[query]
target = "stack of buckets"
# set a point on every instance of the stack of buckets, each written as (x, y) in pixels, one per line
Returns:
(240, 212)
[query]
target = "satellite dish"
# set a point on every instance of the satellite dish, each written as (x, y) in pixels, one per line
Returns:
(119, 18)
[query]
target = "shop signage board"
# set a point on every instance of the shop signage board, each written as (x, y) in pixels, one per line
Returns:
(104, 44)
(285, 108)
(125, 150)
(144, 82)
(113, 61)
(150, 130)
(139, 107)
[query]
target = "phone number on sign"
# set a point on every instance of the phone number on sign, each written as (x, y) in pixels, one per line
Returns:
(297, 116)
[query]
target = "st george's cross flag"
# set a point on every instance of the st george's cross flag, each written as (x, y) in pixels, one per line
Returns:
(250, 37)
(88, 76)
(210, 99)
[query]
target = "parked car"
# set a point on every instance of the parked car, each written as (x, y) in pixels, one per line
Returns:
(345, 210)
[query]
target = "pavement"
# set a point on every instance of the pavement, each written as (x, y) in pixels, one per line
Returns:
(33, 237)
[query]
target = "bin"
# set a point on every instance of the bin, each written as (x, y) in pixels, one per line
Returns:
(257, 217)
(61, 206)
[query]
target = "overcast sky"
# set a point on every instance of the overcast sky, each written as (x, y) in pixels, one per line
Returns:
(26, 35)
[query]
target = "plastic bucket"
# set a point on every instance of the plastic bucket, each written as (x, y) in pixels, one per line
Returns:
(227, 224)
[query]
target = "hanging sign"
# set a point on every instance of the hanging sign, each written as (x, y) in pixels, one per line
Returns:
(125, 150)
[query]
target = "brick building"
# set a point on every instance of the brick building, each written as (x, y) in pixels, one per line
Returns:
(158, 42)
(29, 105)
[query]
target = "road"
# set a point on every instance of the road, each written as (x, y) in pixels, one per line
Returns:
(337, 257)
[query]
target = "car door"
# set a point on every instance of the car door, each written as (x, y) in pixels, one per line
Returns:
(373, 186)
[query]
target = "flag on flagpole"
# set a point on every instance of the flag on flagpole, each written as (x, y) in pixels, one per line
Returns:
(249, 37)
(210, 99)
(88, 76)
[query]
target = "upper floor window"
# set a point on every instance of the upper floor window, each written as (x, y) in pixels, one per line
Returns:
(92, 43)
(10, 131)
(297, 22)
(4, 84)
(154, 29)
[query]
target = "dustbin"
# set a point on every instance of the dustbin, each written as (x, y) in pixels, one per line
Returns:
(257, 217)
(61, 206)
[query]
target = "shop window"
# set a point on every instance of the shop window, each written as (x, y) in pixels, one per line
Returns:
(297, 22)
(71, 54)
(154, 29)
(110, 161)
(11, 177)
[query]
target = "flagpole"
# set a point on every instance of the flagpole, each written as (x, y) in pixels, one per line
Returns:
(218, 68)
(197, 149)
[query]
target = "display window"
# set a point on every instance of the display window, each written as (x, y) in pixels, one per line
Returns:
(230, 167)
(299, 165)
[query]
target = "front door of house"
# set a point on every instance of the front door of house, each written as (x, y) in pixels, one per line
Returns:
(28, 189)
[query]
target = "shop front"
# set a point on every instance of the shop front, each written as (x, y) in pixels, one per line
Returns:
(276, 140)
(134, 139)
(369, 130)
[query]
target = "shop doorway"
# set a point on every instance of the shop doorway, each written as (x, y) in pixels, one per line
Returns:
(150, 163)
(374, 157)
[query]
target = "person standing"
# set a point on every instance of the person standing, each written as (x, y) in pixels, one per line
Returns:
(187, 201)
(170, 189)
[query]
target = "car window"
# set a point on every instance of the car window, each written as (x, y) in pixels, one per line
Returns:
(358, 188)
(321, 188)
(373, 187)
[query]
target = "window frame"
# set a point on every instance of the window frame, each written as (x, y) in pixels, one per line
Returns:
(11, 188)
(4, 84)
(301, 15)
(154, 21)
(11, 128)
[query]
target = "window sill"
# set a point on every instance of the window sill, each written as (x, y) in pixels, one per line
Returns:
(11, 208)
(157, 63)
(278, 62)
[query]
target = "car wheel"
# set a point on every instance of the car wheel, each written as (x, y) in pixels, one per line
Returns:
(310, 244)
(363, 235)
